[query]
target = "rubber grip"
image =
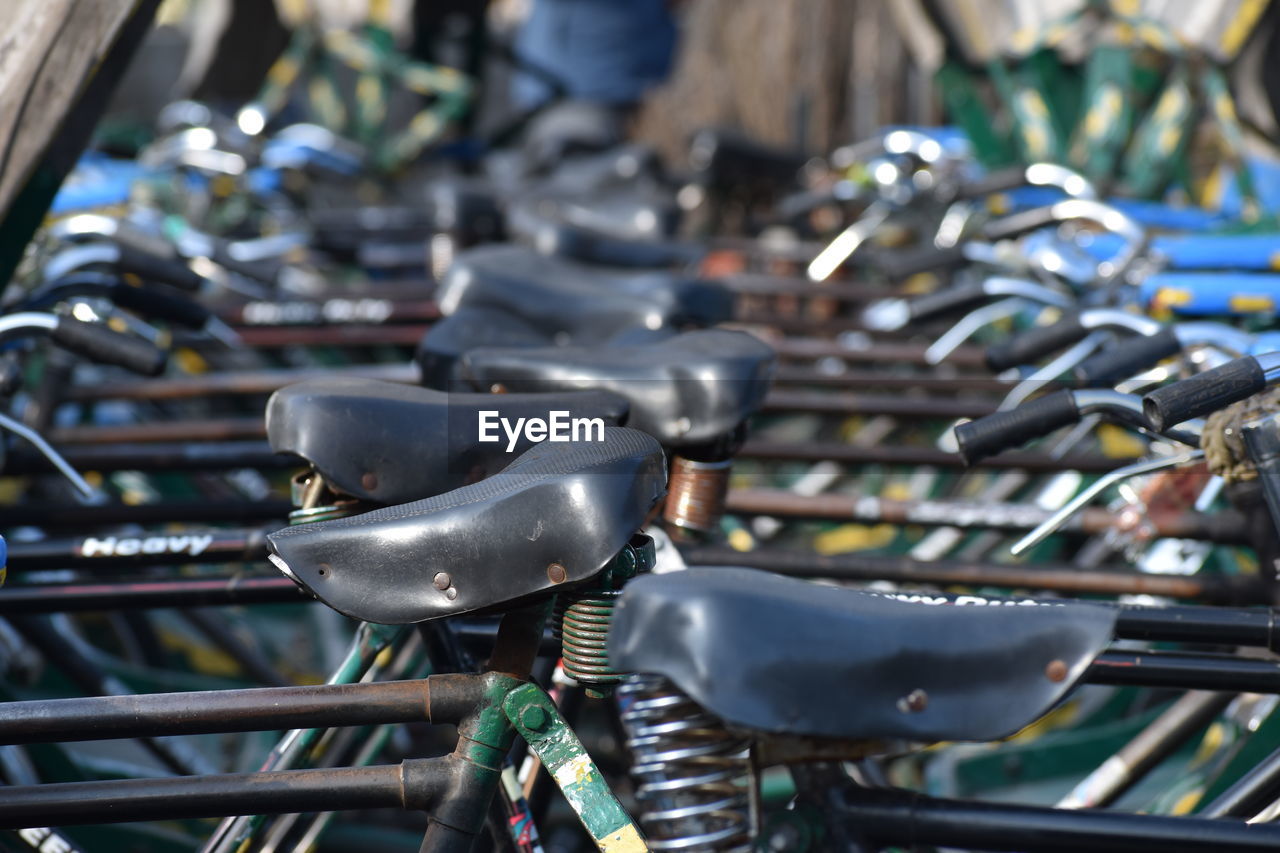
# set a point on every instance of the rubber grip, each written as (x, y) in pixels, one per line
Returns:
(999, 181)
(154, 268)
(1034, 344)
(159, 302)
(904, 263)
(1203, 394)
(1004, 430)
(266, 271)
(1129, 356)
(949, 300)
(1017, 224)
(98, 343)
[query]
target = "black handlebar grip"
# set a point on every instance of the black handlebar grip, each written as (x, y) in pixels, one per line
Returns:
(155, 268)
(1129, 356)
(156, 301)
(1017, 224)
(949, 300)
(1034, 344)
(1003, 430)
(1203, 394)
(98, 343)
(266, 271)
(904, 263)
(999, 181)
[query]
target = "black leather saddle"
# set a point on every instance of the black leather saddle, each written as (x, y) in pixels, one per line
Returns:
(687, 390)
(448, 338)
(585, 304)
(559, 510)
(728, 160)
(790, 657)
(635, 210)
(593, 246)
(390, 443)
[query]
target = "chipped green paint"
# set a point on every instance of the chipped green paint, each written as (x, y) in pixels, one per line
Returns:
(539, 722)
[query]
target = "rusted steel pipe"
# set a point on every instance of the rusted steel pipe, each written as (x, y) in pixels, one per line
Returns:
(1226, 527)
(1054, 578)
(850, 454)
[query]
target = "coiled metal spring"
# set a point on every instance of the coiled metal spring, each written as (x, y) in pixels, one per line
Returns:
(692, 774)
(583, 629)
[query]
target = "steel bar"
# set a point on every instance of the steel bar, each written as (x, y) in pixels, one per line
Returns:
(332, 312)
(77, 596)
(1162, 737)
(893, 405)
(1226, 527)
(1185, 671)
(157, 456)
(165, 548)
(1251, 793)
(409, 785)
(887, 816)
(787, 374)
(1049, 577)
(234, 382)
(342, 335)
(850, 454)
(61, 516)
(862, 351)
(438, 699)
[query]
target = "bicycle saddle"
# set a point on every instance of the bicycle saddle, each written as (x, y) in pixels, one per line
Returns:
(630, 211)
(787, 656)
(587, 304)
(687, 390)
(591, 246)
(391, 443)
(448, 338)
(728, 159)
(559, 510)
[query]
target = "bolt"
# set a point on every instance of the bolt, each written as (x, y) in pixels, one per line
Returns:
(442, 581)
(556, 573)
(497, 388)
(914, 702)
(369, 481)
(451, 593)
(534, 718)
(1056, 671)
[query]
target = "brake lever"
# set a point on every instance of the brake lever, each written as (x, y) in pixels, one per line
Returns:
(1060, 365)
(1059, 518)
(88, 492)
(844, 244)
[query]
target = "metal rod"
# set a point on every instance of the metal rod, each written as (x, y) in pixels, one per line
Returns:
(161, 456)
(1219, 589)
(234, 382)
(889, 816)
(850, 454)
(1183, 670)
(411, 784)
(1162, 737)
(1251, 793)
(143, 595)
(1227, 527)
(61, 516)
(437, 699)
(788, 400)
(116, 551)
(861, 350)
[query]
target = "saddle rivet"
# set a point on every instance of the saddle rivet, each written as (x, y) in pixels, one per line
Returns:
(369, 481)
(533, 718)
(556, 573)
(442, 581)
(451, 593)
(914, 702)
(497, 388)
(1056, 671)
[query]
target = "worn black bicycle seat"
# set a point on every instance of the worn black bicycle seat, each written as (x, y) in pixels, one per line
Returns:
(686, 390)
(587, 304)
(591, 246)
(444, 343)
(391, 443)
(788, 656)
(636, 210)
(728, 159)
(553, 517)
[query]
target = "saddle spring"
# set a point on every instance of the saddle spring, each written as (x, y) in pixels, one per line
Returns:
(696, 494)
(692, 774)
(583, 618)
